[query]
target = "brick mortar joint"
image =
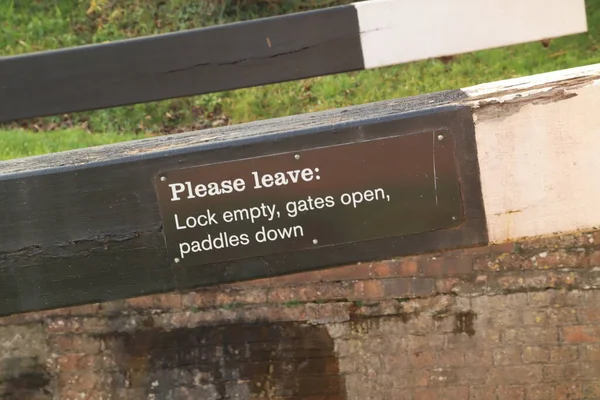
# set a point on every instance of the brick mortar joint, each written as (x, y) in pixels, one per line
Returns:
(46, 320)
(583, 278)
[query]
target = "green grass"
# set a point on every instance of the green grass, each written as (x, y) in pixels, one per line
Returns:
(21, 143)
(33, 25)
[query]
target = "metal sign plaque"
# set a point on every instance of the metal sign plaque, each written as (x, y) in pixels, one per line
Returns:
(313, 198)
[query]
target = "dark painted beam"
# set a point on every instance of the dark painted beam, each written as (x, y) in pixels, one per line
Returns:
(363, 35)
(180, 64)
(86, 226)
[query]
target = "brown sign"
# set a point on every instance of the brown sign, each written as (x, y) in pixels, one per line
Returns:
(311, 198)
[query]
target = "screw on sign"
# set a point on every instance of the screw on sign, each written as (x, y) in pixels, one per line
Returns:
(290, 202)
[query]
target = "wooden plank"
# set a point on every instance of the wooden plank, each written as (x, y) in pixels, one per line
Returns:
(538, 139)
(367, 34)
(436, 28)
(180, 64)
(84, 225)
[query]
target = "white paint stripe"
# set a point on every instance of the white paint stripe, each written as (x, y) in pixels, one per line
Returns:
(540, 160)
(532, 81)
(400, 31)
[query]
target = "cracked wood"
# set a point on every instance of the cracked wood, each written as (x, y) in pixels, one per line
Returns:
(180, 64)
(84, 226)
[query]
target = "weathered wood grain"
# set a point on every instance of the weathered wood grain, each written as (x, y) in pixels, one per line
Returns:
(395, 32)
(180, 64)
(84, 226)
(538, 140)
(367, 34)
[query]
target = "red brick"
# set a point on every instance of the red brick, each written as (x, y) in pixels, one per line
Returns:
(82, 381)
(555, 298)
(567, 391)
(327, 313)
(280, 314)
(86, 309)
(220, 297)
(478, 356)
(421, 359)
(448, 266)
(96, 325)
(421, 287)
(445, 377)
(291, 293)
(428, 394)
(423, 343)
(535, 317)
(248, 296)
(71, 394)
(507, 318)
(485, 264)
(447, 285)
(416, 378)
(594, 259)
(562, 316)
(516, 375)
(594, 236)
(538, 392)
(487, 304)
(590, 352)
(408, 266)
(455, 393)
(297, 278)
(590, 369)
(492, 250)
(561, 259)
(563, 354)
(393, 394)
(311, 292)
(479, 286)
(74, 343)
(591, 390)
(64, 325)
(510, 392)
(202, 298)
(346, 273)
(482, 393)
(143, 302)
(368, 289)
(463, 341)
(572, 371)
(581, 334)
(554, 373)
(451, 358)
(262, 283)
(420, 325)
(530, 335)
(168, 301)
(112, 307)
(472, 375)
(397, 287)
(537, 280)
(161, 301)
(19, 319)
(130, 393)
(394, 359)
(504, 262)
(589, 315)
(75, 362)
(507, 356)
(535, 354)
(408, 287)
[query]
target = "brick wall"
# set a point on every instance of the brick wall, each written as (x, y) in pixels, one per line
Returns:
(515, 321)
